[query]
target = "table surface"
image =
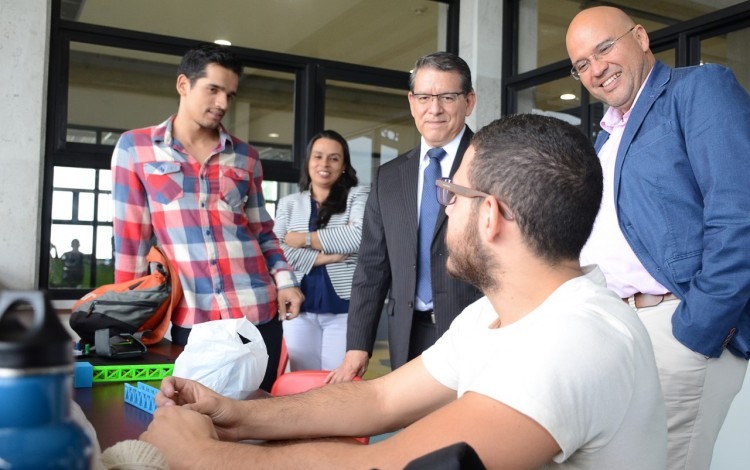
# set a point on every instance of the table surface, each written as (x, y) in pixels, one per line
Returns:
(104, 404)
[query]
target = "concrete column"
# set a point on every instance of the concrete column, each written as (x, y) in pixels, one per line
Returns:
(24, 51)
(480, 45)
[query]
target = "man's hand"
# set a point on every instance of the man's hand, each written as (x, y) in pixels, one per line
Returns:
(290, 302)
(177, 392)
(181, 435)
(355, 364)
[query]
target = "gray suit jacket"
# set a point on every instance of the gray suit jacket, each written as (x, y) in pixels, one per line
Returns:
(388, 260)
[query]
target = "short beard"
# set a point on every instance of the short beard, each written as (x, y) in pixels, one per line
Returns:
(471, 262)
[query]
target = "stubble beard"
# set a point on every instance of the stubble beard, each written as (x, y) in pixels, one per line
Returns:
(471, 261)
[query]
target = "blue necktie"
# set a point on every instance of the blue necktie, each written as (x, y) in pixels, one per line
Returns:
(428, 212)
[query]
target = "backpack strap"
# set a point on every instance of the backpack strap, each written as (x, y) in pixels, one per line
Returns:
(157, 255)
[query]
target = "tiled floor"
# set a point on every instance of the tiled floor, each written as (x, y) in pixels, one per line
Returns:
(380, 362)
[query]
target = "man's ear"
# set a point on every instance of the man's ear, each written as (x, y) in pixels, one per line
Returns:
(489, 219)
(642, 37)
(183, 84)
(492, 223)
(471, 101)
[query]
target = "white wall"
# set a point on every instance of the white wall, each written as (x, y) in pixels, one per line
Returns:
(24, 39)
(480, 45)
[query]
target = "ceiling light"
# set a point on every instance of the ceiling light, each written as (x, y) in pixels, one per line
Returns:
(567, 96)
(223, 42)
(273, 135)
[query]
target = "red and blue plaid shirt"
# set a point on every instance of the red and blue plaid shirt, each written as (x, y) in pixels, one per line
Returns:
(209, 218)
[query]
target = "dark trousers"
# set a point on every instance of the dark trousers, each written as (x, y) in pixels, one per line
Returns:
(271, 332)
(423, 335)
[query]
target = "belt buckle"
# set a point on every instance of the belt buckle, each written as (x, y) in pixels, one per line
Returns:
(427, 314)
(631, 302)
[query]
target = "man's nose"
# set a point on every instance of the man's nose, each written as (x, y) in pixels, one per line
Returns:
(222, 100)
(435, 105)
(597, 66)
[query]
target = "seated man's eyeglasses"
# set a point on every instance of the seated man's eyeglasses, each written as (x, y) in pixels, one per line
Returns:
(443, 98)
(447, 193)
(603, 49)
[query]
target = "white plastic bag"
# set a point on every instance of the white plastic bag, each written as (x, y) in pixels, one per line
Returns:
(216, 357)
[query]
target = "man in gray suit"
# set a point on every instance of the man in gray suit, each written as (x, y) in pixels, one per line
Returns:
(402, 210)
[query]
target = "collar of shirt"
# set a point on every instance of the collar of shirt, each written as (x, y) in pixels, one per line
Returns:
(445, 164)
(163, 133)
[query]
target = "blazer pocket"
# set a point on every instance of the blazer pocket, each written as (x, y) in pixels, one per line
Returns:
(646, 138)
(684, 267)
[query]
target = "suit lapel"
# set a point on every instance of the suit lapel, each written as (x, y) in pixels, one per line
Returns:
(462, 146)
(409, 179)
(655, 86)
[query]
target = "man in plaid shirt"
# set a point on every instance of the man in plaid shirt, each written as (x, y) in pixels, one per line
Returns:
(197, 188)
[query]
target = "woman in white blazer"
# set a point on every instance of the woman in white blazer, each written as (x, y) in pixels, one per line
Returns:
(320, 229)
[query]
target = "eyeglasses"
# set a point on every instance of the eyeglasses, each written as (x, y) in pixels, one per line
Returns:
(602, 50)
(443, 98)
(447, 193)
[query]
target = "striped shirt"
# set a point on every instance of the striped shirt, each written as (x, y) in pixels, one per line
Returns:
(209, 218)
(342, 235)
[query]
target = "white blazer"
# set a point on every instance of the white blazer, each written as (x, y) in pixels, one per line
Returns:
(342, 235)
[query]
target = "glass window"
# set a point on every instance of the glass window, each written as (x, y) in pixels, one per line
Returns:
(386, 33)
(375, 121)
(729, 50)
(271, 195)
(559, 98)
(544, 23)
(668, 57)
(112, 90)
(80, 244)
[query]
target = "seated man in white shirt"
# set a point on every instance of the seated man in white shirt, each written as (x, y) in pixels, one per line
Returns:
(549, 368)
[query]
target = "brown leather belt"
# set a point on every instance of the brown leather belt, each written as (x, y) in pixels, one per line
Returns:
(648, 300)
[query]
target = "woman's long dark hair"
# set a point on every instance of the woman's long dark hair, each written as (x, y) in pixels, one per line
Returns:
(335, 203)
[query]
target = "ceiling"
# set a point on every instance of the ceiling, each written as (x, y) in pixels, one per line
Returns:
(388, 34)
(384, 33)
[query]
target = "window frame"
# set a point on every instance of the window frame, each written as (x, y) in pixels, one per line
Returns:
(685, 38)
(310, 75)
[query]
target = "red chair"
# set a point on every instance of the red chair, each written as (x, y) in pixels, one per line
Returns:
(301, 381)
(283, 359)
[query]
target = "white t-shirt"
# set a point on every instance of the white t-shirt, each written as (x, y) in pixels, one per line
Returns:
(581, 365)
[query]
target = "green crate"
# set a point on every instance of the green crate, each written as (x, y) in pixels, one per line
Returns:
(126, 373)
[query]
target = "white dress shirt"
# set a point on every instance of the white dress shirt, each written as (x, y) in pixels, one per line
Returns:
(445, 166)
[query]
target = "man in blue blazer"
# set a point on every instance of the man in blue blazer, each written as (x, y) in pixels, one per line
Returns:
(440, 98)
(673, 232)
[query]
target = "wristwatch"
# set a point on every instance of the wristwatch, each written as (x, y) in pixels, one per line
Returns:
(308, 240)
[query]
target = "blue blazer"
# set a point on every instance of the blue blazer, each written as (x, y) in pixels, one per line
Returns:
(682, 192)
